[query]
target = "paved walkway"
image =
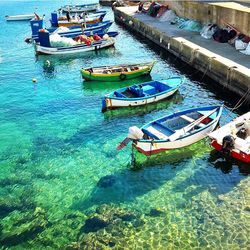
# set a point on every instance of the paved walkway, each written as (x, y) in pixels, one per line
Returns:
(222, 49)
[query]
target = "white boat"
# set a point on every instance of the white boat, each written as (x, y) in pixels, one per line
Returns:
(74, 49)
(174, 131)
(141, 94)
(20, 17)
(80, 8)
(233, 139)
(44, 47)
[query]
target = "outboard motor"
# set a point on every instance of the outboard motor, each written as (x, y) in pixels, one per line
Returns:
(227, 144)
(134, 133)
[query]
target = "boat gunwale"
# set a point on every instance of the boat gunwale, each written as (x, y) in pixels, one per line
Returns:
(220, 108)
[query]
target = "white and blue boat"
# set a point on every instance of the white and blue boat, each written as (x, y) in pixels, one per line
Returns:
(141, 94)
(174, 131)
(80, 8)
(96, 28)
(44, 45)
(75, 21)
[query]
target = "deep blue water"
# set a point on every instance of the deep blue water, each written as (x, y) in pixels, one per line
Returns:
(59, 162)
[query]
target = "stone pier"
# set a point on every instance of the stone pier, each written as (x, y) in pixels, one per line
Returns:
(221, 62)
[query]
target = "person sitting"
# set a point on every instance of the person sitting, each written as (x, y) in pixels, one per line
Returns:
(68, 16)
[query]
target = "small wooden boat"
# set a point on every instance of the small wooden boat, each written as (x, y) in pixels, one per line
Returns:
(44, 45)
(76, 21)
(174, 131)
(233, 139)
(141, 94)
(96, 28)
(116, 72)
(20, 17)
(80, 8)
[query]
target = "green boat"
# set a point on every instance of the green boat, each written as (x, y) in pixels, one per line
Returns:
(116, 72)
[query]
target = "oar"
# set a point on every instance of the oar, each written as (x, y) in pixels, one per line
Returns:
(178, 133)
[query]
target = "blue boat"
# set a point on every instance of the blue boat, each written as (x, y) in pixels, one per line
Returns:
(142, 94)
(97, 28)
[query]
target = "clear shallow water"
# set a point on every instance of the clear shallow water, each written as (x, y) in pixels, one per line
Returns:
(63, 185)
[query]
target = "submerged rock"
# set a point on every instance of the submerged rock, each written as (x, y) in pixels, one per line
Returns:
(8, 205)
(154, 212)
(20, 227)
(107, 227)
(106, 181)
(94, 224)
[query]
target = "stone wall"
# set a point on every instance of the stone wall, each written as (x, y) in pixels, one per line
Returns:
(208, 12)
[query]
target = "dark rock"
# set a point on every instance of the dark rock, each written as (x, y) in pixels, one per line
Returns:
(25, 226)
(127, 217)
(94, 224)
(111, 244)
(154, 212)
(106, 181)
(7, 205)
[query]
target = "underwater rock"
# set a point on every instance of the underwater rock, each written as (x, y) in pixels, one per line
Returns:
(7, 205)
(106, 181)
(19, 227)
(107, 227)
(155, 212)
(94, 224)
(14, 179)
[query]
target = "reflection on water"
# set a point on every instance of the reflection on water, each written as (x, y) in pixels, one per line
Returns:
(97, 86)
(226, 164)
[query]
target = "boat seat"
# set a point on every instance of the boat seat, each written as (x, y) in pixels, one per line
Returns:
(189, 119)
(156, 133)
(149, 90)
(117, 94)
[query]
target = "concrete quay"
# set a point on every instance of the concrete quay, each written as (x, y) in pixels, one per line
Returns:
(219, 61)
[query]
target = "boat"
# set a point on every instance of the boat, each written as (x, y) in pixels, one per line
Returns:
(116, 72)
(233, 139)
(96, 28)
(80, 8)
(174, 131)
(44, 46)
(141, 94)
(20, 17)
(76, 21)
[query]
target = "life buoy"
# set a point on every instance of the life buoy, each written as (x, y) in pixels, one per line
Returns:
(123, 76)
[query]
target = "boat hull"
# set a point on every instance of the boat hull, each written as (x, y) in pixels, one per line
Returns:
(115, 77)
(150, 148)
(73, 49)
(241, 147)
(237, 154)
(19, 17)
(114, 103)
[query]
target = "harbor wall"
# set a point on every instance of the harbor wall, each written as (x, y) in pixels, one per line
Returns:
(228, 74)
(219, 13)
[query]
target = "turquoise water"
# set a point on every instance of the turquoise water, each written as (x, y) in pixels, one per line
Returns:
(63, 185)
